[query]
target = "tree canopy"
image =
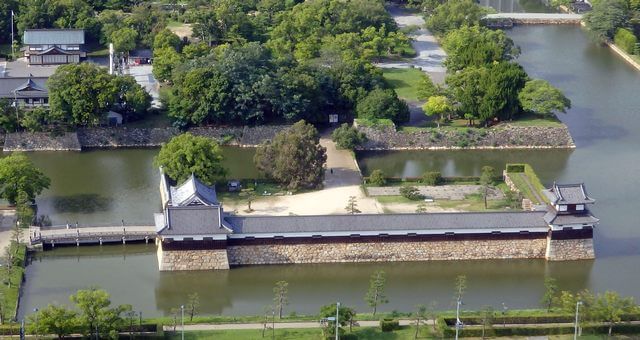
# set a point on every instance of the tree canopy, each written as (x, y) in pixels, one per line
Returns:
(477, 46)
(294, 158)
(19, 176)
(187, 154)
(606, 17)
(540, 97)
(383, 104)
(453, 14)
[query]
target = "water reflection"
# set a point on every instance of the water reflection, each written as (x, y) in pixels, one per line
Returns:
(518, 6)
(81, 203)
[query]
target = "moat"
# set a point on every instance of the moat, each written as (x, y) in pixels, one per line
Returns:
(602, 121)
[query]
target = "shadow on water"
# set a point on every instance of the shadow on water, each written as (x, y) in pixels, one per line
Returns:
(81, 203)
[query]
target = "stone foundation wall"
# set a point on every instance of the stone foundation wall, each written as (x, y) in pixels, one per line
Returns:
(205, 259)
(41, 141)
(387, 252)
(569, 250)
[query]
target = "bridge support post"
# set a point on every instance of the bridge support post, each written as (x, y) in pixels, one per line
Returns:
(53, 244)
(77, 242)
(100, 240)
(146, 239)
(124, 240)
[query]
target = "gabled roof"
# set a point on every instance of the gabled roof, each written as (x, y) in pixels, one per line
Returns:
(192, 220)
(52, 50)
(193, 192)
(23, 87)
(568, 194)
(53, 36)
(30, 85)
(563, 219)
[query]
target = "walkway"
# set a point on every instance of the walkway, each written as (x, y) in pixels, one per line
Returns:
(430, 56)
(278, 325)
(92, 235)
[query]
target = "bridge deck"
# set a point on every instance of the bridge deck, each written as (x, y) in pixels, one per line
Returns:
(51, 236)
(550, 17)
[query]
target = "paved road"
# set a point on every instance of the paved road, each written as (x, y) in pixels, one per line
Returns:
(278, 325)
(430, 56)
(342, 169)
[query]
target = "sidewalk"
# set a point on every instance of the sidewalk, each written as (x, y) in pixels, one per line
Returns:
(278, 325)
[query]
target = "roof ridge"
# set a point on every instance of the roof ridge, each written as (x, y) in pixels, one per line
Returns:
(401, 214)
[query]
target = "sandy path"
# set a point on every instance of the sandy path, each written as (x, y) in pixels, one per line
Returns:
(430, 56)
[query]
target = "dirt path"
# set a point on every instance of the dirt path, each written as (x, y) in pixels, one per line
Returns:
(535, 193)
(430, 56)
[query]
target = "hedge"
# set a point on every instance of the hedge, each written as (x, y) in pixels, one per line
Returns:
(14, 329)
(626, 40)
(389, 325)
(515, 168)
(497, 330)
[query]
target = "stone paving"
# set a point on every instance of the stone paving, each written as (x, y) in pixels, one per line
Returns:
(446, 192)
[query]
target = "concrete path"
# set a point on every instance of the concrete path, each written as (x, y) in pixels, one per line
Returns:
(430, 56)
(342, 169)
(278, 325)
(7, 220)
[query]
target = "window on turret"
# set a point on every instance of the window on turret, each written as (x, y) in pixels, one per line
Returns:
(562, 208)
(580, 207)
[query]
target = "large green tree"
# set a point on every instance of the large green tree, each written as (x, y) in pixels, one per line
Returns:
(383, 104)
(18, 175)
(454, 14)
(375, 294)
(81, 94)
(124, 39)
(540, 97)
(166, 38)
(437, 106)
(606, 17)
(96, 313)
(294, 157)
(54, 319)
(477, 46)
(187, 154)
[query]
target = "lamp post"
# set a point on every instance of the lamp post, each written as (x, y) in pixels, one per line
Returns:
(575, 331)
(35, 310)
(504, 315)
(182, 319)
(458, 322)
(337, 324)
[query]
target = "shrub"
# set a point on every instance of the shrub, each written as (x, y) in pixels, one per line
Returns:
(383, 104)
(347, 137)
(626, 40)
(389, 325)
(377, 178)
(431, 178)
(514, 168)
(411, 193)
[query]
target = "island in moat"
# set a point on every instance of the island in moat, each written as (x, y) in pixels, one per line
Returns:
(195, 233)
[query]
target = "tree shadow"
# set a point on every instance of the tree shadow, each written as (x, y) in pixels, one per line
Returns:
(81, 203)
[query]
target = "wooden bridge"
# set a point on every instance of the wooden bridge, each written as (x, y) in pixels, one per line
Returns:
(506, 20)
(50, 237)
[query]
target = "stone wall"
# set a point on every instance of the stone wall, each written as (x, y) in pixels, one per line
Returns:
(387, 252)
(569, 250)
(201, 259)
(502, 136)
(41, 141)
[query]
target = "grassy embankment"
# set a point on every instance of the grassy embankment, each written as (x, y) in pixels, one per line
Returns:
(12, 280)
(519, 174)
(305, 334)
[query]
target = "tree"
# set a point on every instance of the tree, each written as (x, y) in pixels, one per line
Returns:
(550, 292)
(454, 14)
(54, 319)
(426, 88)
(250, 196)
(501, 84)
(606, 17)
(626, 40)
(193, 304)
(8, 259)
(421, 208)
(487, 319)
(460, 287)
(346, 316)
(383, 104)
(124, 40)
(165, 59)
(540, 97)
(80, 94)
(487, 180)
(437, 106)
(610, 307)
(377, 177)
(19, 175)
(467, 90)
(187, 154)
(352, 206)
(294, 158)
(347, 137)
(134, 100)
(34, 120)
(411, 193)
(165, 38)
(280, 298)
(420, 315)
(375, 295)
(477, 46)
(95, 312)
(432, 178)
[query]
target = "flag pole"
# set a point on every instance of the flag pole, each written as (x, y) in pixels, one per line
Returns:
(13, 53)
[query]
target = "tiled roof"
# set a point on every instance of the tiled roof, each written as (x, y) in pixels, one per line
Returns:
(564, 219)
(193, 191)
(53, 36)
(9, 85)
(384, 222)
(193, 220)
(568, 194)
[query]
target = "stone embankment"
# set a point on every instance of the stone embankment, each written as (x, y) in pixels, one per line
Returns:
(123, 137)
(503, 136)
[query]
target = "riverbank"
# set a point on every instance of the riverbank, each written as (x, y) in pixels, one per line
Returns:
(502, 136)
(629, 59)
(124, 137)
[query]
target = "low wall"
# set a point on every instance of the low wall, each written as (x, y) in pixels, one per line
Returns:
(503, 136)
(624, 55)
(41, 141)
(386, 252)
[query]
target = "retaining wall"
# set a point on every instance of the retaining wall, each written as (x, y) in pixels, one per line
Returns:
(195, 259)
(570, 250)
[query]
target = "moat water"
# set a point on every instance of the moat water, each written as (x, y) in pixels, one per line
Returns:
(604, 121)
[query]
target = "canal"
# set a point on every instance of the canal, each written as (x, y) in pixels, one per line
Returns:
(603, 120)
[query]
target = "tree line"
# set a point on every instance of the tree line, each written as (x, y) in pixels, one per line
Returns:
(484, 83)
(617, 20)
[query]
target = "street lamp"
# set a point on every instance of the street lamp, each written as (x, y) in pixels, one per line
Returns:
(575, 331)
(35, 310)
(182, 319)
(458, 322)
(504, 315)
(337, 324)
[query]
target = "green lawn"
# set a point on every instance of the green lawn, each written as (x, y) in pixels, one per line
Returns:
(535, 120)
(303, 334)
(10, 294)
(404, 81)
